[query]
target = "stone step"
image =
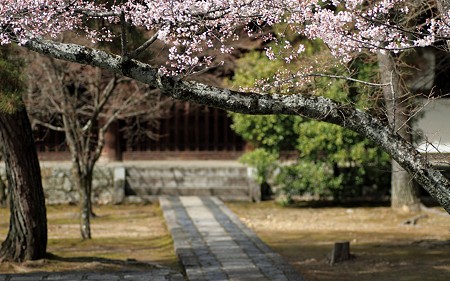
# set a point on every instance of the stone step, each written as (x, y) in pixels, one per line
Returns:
(229, 191)
(133, 199)
(229, 181)
(188, 182)
(180, 172)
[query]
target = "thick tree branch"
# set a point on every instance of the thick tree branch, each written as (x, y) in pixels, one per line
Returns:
(318, 108)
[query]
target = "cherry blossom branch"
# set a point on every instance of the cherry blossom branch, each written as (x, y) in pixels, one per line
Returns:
(97, 14)
(345, 78)
(123, 37)
(319, 108)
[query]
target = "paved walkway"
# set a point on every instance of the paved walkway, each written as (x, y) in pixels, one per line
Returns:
(214, 245)
(211, 242)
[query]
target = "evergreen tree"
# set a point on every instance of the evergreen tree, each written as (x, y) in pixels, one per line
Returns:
(27, 235)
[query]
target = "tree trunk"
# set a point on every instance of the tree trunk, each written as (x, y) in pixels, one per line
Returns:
(2, 193)
(83, 181)
(340, 252)
(403, 191)
(27, 236)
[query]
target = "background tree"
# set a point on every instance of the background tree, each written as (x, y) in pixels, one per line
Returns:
(27, 235)
(190, 27)
(332, 161)
(397, 99)
(84, 102)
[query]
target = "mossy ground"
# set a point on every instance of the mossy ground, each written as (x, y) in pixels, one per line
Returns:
(384, 248)
(126, 237)
(134, 237)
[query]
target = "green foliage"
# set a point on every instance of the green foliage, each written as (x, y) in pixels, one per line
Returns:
(321, 141)
(11, 81)
(271, 132)
(308, 177)
(252, 67)
(10, 102)
(263, 161)
(333, 161)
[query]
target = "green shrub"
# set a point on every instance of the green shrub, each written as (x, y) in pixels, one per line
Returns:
(307, 178)
(262, 161)
(333, 162)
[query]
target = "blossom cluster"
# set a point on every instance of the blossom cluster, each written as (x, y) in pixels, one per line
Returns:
(189, 27)
(21, 20)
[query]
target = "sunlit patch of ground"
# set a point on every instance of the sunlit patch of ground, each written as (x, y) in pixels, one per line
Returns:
(384, 249)
(126, 237)
(134, 237)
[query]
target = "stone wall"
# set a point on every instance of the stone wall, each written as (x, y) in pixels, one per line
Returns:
(59, 187)
(119, 182)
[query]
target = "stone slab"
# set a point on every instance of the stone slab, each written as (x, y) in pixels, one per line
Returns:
(223, 247)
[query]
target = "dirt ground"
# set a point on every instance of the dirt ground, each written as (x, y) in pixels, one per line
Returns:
(383, 248)
(126, 237)
(134, 237)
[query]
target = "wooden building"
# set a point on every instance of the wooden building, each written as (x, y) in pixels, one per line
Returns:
(188, 132)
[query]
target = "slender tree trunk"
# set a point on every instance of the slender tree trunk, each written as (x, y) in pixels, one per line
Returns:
(403, 190)
(27, 236)
(83, 181)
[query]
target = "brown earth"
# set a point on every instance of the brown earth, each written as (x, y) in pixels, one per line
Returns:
(383, 248)
(127, 237)
(135, 237)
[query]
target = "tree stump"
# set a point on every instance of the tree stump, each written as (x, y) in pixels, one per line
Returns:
(340, 252)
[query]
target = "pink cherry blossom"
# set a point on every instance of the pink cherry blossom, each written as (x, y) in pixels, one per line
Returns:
(190, 27)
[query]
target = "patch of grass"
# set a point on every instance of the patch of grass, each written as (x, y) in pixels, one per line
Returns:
(125, 237)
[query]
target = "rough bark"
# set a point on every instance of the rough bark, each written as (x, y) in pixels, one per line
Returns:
(403, 191)
(83, 181)
(340, 252)
(318, 108)
(27, 236)
(2, 193)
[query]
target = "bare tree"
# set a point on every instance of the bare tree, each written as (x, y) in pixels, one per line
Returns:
(397, 99)
(83, 102)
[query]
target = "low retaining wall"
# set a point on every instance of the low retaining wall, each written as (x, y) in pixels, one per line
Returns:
(119, 182)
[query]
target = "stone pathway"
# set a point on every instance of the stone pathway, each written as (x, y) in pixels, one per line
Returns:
(211, 242)
(154, 275)
(214, 245)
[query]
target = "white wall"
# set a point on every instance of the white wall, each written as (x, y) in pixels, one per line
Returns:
(435, 125)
